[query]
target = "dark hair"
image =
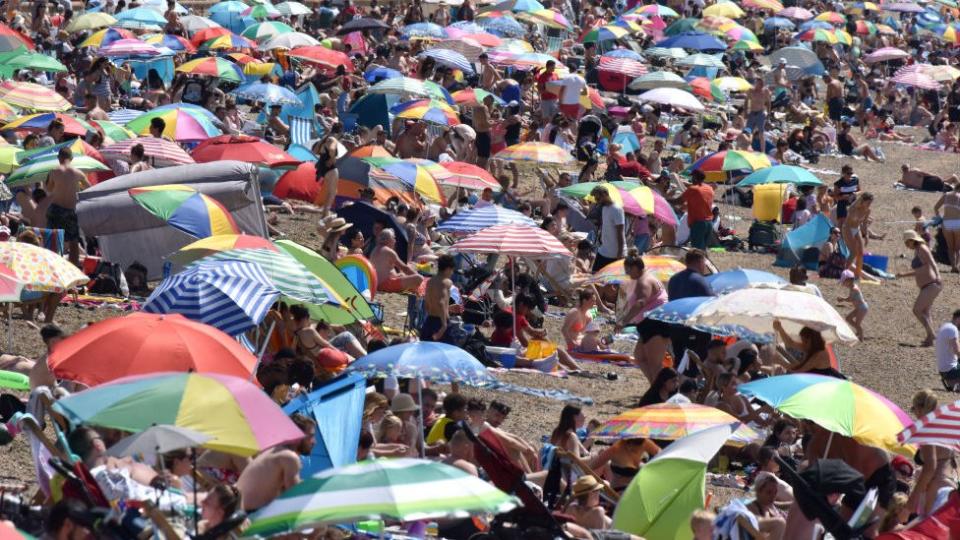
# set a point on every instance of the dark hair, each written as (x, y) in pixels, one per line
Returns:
(956, 314)
(158, 123)
(65, 509)
(697, 176)
(634, 260)
(55, 123)
(301, 371)
(366, 440)
(476, 404)
(652, 395)
(299, 313)
(80, 441)
(303, 422)
(50, 331)
(687, 386)
(778, 427)
(137, 151)
(445, 262)
(584, 295)
(694, 256)
(428, 392)
(816, 341)
(454, 402)
(65, 154)
(227, 496)
(568, 422)
(765, 454)
(500, 407)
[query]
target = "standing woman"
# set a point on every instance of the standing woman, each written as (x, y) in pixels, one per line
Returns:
(927, 276)
(647, 293)
(950, 203)
(855, 230)
(327, 172)
(98, 81)
(938, 464)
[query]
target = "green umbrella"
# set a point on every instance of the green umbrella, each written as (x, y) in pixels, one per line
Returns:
(24, 59)
(660, 498)
(38, 170)
(114, 131)
(781, 174)
(680, 26)
(352, 305)
(388, 489)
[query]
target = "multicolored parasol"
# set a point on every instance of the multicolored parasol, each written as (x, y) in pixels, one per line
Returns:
(37, 171)
(186, 209)
(633, 197)
(102, 38)
(411, 174)
(41, 121)
(183, 124)
(536, 151)
(40, 269)
(669, 422)
(158, 152)
(213, 66)
(427, 110)
(32, 96)
(662, 267)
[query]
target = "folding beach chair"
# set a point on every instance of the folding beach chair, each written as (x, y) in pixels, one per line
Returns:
(51, 239)
(301, 130)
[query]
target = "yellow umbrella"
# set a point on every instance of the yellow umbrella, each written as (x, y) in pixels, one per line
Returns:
(746, 45)
(91, 21)
(732, 84)
(40, 269)
(724, 9)
(8, 158)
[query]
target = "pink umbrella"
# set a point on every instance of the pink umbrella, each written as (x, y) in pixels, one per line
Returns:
(885, 54)
(797, 13)
(902, 7)
(129, 47)
(917, 79)
(514, 241)
(160, 152)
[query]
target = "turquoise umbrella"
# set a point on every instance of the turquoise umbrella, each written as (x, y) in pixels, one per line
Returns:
(781, 174)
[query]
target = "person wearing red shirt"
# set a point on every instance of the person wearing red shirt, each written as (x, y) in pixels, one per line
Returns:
(629, 166)
(548, 100)
(699, 201)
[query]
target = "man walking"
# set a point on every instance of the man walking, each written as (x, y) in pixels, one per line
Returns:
(612, 240)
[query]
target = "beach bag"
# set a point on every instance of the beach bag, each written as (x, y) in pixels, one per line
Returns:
(108, 279)
(764, 234)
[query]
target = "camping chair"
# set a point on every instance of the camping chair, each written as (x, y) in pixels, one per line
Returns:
(347, 118)
(301, 131)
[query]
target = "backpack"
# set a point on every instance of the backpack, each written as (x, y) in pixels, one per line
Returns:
(108, 279)
(764, 234)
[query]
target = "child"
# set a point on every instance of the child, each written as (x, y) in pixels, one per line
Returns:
(592, 341)
(801, 215)
(855, 317)
(921, 223)
(896, 515)
(701, 522)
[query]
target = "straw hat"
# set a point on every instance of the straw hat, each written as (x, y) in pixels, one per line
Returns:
(585, 485)
(403, 403)
(912, 236)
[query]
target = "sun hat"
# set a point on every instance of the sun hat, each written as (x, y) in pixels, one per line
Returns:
(585, 485)
(911, 235)
(403, 403)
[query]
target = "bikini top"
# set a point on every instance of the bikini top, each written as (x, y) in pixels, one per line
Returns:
(916, 262)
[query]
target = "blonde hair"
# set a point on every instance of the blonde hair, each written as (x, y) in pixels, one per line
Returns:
(702, 518)
(891, 518)
(924, 402)
(389, 422)
(372, 402)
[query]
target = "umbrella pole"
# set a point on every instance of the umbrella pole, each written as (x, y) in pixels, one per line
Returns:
(10, 326)
(513, 290)
(423, 444)
(827, 449)
(196, 517)
(263, 349)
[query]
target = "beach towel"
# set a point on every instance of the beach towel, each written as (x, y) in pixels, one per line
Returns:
(301, 130)
(726, 526)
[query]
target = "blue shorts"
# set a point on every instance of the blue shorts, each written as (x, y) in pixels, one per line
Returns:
(757, 121)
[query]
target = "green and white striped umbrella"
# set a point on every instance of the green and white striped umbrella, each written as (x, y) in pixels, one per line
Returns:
(287, 274)
(37, 171)
(388, 489)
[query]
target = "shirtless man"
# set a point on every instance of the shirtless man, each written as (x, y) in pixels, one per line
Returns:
(481, 124)
(63, 184)
(461, 449)
(924, 181)
(436, 301)
(834, 97)
(137, 160)
(412, 143)
(392, 274)
(33, 206)
(757, 104)
(488, 74)
(780, 79)
(280, 130)
(277, 469)
(92, 106)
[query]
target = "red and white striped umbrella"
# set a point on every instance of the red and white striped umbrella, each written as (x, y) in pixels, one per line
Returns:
(514, 241)
(916, 79)
(940, 427)
(622, 65)
(159, 152)
(884, 54)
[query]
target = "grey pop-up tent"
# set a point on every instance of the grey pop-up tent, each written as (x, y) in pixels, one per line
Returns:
(127, 232)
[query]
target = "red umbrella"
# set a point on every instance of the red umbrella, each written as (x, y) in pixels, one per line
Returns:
(242, 148)
(300, 183)
(323, 56)
(12, 39)
(469, 176)
(207, 34)
(143, 343)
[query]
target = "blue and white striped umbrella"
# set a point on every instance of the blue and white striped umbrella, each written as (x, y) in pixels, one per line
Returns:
(230, 295)
(503, 26)
(424, 30)
(122, 116)
(477, 219)
(680, 312)
(450, 58)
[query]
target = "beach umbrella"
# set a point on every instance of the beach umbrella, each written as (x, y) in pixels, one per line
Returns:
(263, 31)
(299, 183)
(293, 9)
(38, 269)
(113, 133)
(826, 36)
(141, 18)
(503, 26)
(659, 500)
(939, 73)
(778, 23)
(704, 87)
(217, 244)
(90, 21)
(604, 33)
(227, 42)
(654, 9)
(360, 24)
(475, 96)
(144, 343)
(290, 40)
(681, 311)
(449, 58)
(669, 422)
(400, 86)
(671, 53)
(207, 34)
(321, 55)
(658, 79)
(267, 93)
(746, 45)
(123, 48)
(702, 60)
(731, 160)
(123, 116)
(635, 198)
(694, 41)
(661, 266)
(183, 124)
(781, 174)
(799, 57)
(916, 79)
(477, 219)
(231, 296)
(940, 427)
(831, 17)
(758, 308)
(740, 33)
(425, 360)
(468, 47)
(902, 7)
(797, 13)
(246, 422)
(674, 97)
(514, 241)
(526, 61)
(837, 405)
(741, 278)
(515, 5)
(196, 23)
(469, 176)
(415, 176)
(159, 152)
(261, 11)
(32, 96)
(212, 66)
(21, 58)
(242, 148)
(186, 209)
(679, 26)
(724, 9)
(41, 121)
(885, 54)
(426, 30)
(7, 112)
(395, 489)
(864, 28)
(37, 171)
(733, 84)
(536, 151)
(228, 6)
(816, 25)
(172, 42)
(769, 5)
(427, 110)
(157, 440)
(356, 174)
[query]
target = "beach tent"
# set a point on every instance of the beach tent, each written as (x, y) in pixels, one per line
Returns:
(337, 408)
(128, 233)
(373, 110)
(811, 235)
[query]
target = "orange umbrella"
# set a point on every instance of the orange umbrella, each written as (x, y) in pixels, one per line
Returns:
(143, 343)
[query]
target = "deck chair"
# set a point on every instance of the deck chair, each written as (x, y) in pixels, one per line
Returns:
(301, 131)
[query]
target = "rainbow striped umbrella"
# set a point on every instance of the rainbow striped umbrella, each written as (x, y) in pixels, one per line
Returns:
(246, 420)
(547, 17)
(669, 422)
(219, 244)
(731, 160)
(228, 42)
(536, 151)
(186, 209)
(818, 34)
(41, 121)
(183, 124)
(102, 38)
(412, 174)
(605, 33)
(427, 110)
(172, 42)
(633, 197)
(663, 268)
(32, 96)
(837, 405)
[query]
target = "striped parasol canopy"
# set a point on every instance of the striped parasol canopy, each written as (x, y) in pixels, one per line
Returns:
(468, 176)
(39, 122)
(215, 244)
(427, 110)
(514, 241)
(536, 151)
(172, 42)
(186, 209)
(102, 38)
(123, 116)
(231, 296)
(212, 66)
(450, 58)
(477, 219)
(37, 171)
(122, 48)
(402, 489)
(413, 175)
(32, 96)
(940, 427)
(323, 56)
(663, 268)
(669, 422)
(159, 152)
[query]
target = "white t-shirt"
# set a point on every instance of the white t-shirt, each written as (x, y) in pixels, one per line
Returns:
(573, 85)
(946, 336)
(610, 241)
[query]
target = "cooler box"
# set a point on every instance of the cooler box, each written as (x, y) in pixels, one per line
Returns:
(767, 200)
(506, 356)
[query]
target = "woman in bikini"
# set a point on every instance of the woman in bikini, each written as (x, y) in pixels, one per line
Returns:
(327, 360)
(938, 464)
(647, 294)
(624, 460)
(327, 172)
(950, 203)
(855, 229)
(927, 276)
(578, 319)
(816, 359)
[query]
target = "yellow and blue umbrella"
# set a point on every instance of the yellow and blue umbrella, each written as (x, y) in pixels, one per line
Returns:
(411, 174)
(427, 110)
(186, 209)
(102, 38)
